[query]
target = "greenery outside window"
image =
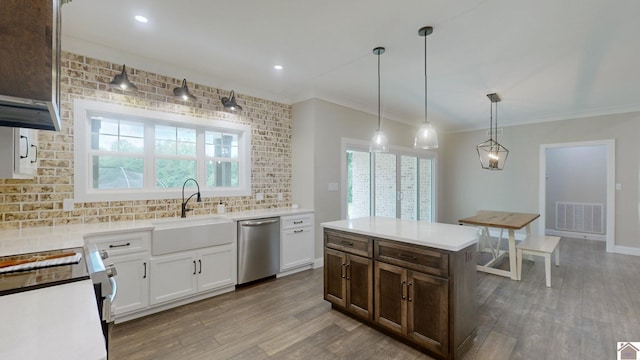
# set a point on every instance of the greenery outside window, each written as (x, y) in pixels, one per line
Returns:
(124, 153)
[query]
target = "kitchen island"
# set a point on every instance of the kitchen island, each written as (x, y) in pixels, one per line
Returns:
(414, 280)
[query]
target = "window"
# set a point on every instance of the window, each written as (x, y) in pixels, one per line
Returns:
(394, 184)
(124, 153)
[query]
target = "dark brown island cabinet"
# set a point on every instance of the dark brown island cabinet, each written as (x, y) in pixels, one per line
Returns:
(421, 295)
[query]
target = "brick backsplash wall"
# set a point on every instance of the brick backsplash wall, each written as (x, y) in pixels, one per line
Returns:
(38, 202)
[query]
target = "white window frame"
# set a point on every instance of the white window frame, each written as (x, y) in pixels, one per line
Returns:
(360, 145)
(83, 190)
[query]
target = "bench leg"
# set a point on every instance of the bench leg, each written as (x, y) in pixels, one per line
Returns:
(547, 268)
(519, 265)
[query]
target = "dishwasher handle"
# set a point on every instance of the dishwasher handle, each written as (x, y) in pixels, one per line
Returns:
(258, 223)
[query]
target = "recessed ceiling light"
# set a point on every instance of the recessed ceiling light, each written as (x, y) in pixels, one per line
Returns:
(142, 19)
(277, 67)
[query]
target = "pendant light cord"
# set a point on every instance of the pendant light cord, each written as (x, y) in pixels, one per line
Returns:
(378, 90)
(425, 80)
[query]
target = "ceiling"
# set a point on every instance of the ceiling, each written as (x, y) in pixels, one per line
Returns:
(547, 59)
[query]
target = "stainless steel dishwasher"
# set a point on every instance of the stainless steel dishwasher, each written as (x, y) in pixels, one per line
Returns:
(258, 249)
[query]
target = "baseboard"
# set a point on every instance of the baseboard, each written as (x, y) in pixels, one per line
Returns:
(576, 235)
(318, 263)
(626, 250)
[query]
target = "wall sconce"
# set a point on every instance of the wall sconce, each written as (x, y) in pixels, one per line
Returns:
(183, 93)
(493, 156)
(230, 103)
(121, 81)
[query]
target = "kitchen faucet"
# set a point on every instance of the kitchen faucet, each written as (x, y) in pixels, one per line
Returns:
(183, 212)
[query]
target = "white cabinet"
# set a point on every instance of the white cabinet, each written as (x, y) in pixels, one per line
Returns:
(20, 149)
(182, 274)
(129, 252)
(296, 242)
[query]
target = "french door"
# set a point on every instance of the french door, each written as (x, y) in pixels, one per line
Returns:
(394, 184)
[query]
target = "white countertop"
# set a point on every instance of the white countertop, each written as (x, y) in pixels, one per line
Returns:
(68, 236)
(436, 235)
(45, 324)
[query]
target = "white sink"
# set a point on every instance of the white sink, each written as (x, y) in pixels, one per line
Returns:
(174, 235)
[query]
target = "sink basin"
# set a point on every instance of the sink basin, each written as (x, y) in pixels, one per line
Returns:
(175, 235)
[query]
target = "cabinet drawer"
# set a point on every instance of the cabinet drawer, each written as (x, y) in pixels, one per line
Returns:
(296, 221)
(124, 243)
(348, 243)
(413, 257)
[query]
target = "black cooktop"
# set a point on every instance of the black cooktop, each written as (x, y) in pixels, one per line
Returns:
(50, 275)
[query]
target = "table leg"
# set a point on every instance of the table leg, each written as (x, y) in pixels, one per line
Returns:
(513, 269)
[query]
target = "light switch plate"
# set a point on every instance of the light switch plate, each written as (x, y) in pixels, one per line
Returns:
(279, 196)
(67, 204)
(332, 186)
(618, 186)
(259, 196)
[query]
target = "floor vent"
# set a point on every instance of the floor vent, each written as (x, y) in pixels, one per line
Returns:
(580, 217)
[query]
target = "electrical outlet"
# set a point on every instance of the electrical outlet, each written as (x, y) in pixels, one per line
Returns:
(259, 196)
(279, 196)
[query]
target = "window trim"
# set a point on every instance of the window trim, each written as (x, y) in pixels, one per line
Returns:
(361, 145)
(83, 191)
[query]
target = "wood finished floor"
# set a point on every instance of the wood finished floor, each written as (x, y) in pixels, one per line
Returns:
(594, 302)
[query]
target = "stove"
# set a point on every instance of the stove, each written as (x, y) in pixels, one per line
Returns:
(32, 271)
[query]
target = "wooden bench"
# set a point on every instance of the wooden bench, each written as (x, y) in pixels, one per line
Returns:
(540, 246)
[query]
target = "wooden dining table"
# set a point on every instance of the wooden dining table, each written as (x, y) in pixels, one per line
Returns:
(510, 221)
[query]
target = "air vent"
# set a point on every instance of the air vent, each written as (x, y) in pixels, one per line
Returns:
(580, 217)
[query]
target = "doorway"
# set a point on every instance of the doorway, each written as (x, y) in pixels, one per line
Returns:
(577, 196)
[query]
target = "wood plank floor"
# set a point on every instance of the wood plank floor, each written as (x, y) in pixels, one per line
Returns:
(594, 302)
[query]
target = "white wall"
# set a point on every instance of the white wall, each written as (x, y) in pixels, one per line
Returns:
(465, 188)
(322, 125)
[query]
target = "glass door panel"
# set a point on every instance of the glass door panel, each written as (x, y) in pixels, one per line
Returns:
(358, 184)
(385, 185)
(425, 181)
(408, 187)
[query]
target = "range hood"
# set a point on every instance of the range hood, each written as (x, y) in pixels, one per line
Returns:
(30, 64)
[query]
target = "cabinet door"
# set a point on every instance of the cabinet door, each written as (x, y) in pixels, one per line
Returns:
(216, 267)
(26, 157)
(296, 248)
(133, 282)
(174, 276)
(335, 280)
(359, 272)
(428, 311)
(390, 297)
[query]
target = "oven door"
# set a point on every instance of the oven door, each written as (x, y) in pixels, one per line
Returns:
(106, 288)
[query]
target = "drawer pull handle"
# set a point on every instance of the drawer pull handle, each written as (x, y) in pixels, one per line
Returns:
(145, 270)
(298, 231)
(348, 243)
(298, 222)
(194, 267)
(200, 263)
(409, 291)
(342, 271)
(407, 257)
(347, 271)
(121, 245)
(404, 289)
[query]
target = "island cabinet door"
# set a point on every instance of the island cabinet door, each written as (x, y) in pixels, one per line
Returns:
(427, 311)
(390, 297)
(335, 278)
(359, 273)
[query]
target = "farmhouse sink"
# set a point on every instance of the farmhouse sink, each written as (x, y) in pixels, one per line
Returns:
(175, 235)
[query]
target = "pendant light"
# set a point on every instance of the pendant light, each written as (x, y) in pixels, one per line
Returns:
(379, 142)
(183, 93)
(121, 81)
(426, 137)
(230, 103)
(493, 156)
